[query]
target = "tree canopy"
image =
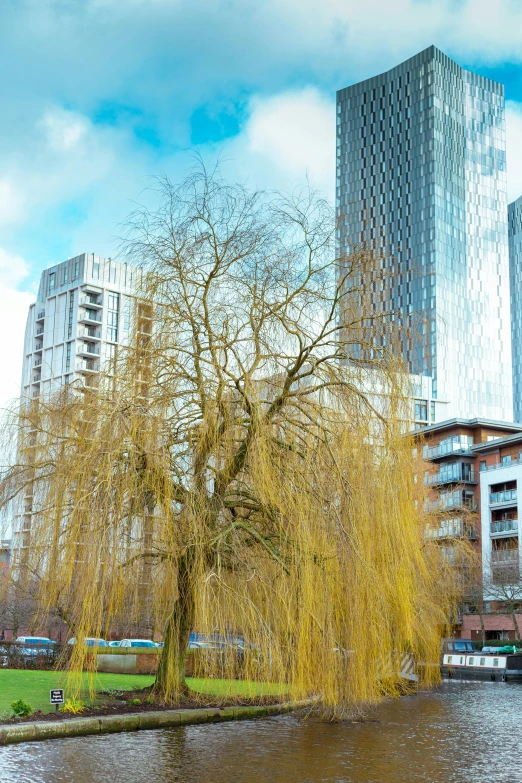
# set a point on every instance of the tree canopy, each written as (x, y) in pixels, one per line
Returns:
(243, 465)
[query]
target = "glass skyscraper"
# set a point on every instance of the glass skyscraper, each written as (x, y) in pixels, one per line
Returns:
(515, 277)
(421, 169)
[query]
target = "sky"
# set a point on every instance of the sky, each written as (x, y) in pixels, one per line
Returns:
(98, 96)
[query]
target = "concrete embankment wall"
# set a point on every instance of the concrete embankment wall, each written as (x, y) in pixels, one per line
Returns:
(127, 660)
(78, 727)
(133, 660)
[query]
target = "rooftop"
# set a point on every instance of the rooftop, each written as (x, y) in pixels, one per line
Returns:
(498, 443)
(491, 424)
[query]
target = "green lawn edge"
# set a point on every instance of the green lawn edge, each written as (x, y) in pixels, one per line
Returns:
(34, 686)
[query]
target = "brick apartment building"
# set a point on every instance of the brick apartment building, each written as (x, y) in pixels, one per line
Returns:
(473, 469)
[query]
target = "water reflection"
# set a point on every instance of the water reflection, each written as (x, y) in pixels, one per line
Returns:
(462, 732)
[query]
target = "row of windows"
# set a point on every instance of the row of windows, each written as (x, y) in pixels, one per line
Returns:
(60, 276)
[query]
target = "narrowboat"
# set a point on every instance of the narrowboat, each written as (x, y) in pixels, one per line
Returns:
(501, 667)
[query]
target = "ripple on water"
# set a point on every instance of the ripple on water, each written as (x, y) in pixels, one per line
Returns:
(463, 732)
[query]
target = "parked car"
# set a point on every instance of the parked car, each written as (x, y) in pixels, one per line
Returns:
(31, 646)
(137, 643)
(34, 640)
(90, 641)
(219, 641)
(115, 643)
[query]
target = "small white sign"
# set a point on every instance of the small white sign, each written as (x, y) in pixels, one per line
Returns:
(57, 697)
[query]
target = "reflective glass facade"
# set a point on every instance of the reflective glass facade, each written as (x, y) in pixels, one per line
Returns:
(515, 276)
(421, 168)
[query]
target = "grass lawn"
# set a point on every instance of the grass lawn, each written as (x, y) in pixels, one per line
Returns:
(34, 686)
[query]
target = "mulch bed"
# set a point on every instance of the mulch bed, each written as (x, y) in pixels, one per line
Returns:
(122, 707)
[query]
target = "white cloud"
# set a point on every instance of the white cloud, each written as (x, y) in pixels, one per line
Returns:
(64, 129)
(514, 149)
(13, 269)
(13, 314)
(11, 203)
(286, 139)
(295, 133)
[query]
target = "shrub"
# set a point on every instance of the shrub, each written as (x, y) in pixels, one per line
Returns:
(135, 702)
(114, 693)
(21, 708)
(75, 706)
(498, 643)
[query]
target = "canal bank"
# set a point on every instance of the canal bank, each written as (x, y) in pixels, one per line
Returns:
(106, 724)
(458, 733)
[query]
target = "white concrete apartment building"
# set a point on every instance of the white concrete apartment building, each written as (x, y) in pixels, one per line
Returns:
(82, 314)
(499, 465)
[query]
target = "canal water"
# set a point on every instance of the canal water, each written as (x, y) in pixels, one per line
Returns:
(460, 733)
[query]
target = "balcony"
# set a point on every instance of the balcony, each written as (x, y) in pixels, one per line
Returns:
(38, 362)
(446, 450)
(37, 377)
(452, 528)
(87, 349)
(456, 476)
(508, 496)
(40, 316)
(90, 300)
(40, 330)
(453, 501)
(89, 332)
(501, 557)
(90, 317)
(504, 527)
(87, 366)
(38, 346)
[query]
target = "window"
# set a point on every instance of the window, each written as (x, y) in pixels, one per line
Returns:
(432, 411)
(51, 282)
(495, 661)
(126, 318)
(110, 354)
(71, 313)
(68, 357)
(505, 460)
(482, 464)
(482, 661)
(421, 410)
(113, 306)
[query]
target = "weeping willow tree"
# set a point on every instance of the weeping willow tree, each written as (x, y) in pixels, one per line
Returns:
(243, 466)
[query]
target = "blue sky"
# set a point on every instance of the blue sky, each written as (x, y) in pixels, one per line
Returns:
(98, 95)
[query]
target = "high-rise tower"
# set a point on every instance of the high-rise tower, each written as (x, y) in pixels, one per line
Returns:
(81, 316)
(515, 278)
(421, 168)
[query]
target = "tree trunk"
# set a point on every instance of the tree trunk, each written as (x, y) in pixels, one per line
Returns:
(482, 628)
(517, 630)
(170, 680)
